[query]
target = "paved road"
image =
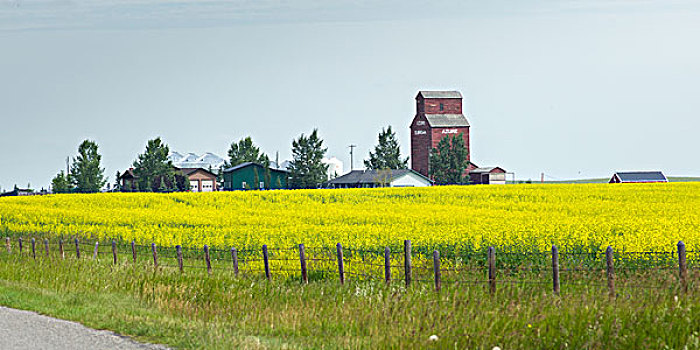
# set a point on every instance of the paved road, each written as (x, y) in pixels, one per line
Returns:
(29, 330)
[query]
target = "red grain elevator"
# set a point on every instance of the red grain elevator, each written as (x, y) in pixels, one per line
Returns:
(438, 114)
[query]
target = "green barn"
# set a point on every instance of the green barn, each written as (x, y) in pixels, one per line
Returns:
(251, 176)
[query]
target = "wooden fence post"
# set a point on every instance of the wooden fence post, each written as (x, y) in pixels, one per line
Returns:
(77, 248)
(46, 246)
(20, 246)
(266, 259)
(207, 259)
(60, 249)
(610, 270)
(436, 268)
(387, 265)
(94, 255)
(7, 243)
(682, 266)
(407, 261)
(178, 249)
(155, 255)
(302, 261)
(234, 260)
(555, 269)
(341, 270)
(492, 269)
(33, 248)
(133, 250)
(114, 252)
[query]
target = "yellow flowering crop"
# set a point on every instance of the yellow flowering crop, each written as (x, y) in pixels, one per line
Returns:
(632, 217)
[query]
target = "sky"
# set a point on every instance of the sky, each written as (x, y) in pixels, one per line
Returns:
(571, 89)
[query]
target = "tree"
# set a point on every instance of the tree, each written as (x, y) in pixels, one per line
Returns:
(60, 183)
(387, 154)
(448, 160)
(256, 179)
(383, 177)
(86, 174)
(267, 178)
(306, 170)
(162, 187)
(182, 183)
(278, 183)
(117, 184)
(153, 167)
(220, 178)
(245, 151)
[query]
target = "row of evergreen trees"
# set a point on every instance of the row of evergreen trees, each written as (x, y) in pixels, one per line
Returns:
(447, 161)
(154, 172)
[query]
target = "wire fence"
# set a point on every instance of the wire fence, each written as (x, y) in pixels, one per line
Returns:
(490, 267)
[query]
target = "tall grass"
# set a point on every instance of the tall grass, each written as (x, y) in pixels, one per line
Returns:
(198, 310)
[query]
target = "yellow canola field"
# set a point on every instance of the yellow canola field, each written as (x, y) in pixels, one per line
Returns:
(633, 217)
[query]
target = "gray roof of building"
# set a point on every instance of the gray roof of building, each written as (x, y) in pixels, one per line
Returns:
(447, 120)
(440, 94)
(371, 176)
(485, 169)
(641, 176)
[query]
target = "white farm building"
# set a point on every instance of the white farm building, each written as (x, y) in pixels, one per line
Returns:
(380, 178)
(335, 167)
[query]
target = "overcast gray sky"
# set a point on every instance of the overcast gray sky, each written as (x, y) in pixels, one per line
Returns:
(574, 89)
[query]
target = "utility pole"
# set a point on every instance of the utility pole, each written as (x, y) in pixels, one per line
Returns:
(351, 151)
(67, 166)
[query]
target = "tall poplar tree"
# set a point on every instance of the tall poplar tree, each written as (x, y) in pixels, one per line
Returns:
(117, 183)
(245, 151)
(448, 161)
(387, 154)
(306, 170)
(86, 174)
(153, 167)
(60, 183)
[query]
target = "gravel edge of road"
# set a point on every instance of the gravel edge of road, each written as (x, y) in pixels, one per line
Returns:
(24, 329)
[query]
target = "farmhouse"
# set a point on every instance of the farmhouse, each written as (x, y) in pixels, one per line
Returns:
(127, 179)
(201, 180)
(638, 177)
(488, 176)
(251, 175)
(438, 114)
(380, 178)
